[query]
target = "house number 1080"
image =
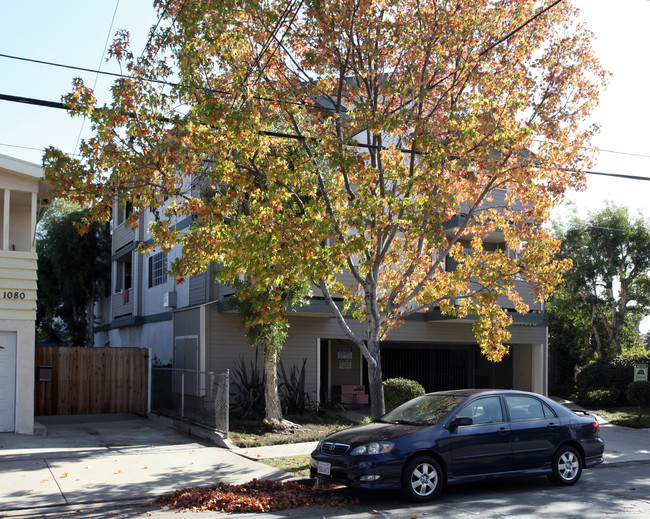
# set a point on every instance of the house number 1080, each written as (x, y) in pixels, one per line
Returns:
(13, 295)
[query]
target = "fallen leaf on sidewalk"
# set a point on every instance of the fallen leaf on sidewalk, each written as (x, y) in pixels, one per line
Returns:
(64, 475)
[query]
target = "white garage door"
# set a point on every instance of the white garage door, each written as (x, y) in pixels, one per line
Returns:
(7, 381)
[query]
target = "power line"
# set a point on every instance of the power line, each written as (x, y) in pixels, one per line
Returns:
(515, 31)
(168, 83)
(62, 106)
(641, 155)
(616, 175)
(20, 147)
(61, 65)
(108, 35)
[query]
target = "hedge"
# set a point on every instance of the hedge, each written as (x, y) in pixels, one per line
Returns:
(605, 382)
(400, 390)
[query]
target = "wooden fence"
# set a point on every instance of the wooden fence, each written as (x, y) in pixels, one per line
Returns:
(91, 381)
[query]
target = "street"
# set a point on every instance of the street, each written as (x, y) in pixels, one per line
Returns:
(615, 490)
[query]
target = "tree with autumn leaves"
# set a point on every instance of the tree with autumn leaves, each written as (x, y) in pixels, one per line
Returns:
(383, 138)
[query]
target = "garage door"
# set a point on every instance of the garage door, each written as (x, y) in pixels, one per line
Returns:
(7, 381)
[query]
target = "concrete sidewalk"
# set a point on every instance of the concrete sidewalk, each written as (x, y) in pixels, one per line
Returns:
(105, 459)
(121, 459)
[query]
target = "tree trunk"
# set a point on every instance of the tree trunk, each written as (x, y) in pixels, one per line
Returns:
(376, 389)
(90, 322)
(271, 396)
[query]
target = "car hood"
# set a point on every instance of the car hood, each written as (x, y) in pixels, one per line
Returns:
(360, 434)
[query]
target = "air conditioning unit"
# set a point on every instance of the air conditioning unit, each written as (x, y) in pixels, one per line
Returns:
(169, 299)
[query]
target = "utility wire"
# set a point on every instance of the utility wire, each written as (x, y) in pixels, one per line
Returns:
(101, 60)
(168, 83)
(62, 106)
(515, 31)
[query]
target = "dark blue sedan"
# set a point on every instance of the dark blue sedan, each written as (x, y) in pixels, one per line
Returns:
(460, 436)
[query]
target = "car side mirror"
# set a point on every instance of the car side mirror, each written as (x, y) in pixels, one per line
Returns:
(460, 421)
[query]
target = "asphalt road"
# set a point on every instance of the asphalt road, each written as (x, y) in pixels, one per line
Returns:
(607, 491)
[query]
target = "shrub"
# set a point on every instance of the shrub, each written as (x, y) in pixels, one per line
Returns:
(292, 389)
(613, 375)
(247, 383)
(400, 390)
(598, 398)
(638, 393)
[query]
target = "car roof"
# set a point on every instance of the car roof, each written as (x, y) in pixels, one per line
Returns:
(475, 391)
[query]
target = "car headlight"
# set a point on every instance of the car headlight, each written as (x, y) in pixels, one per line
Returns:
(372, 448)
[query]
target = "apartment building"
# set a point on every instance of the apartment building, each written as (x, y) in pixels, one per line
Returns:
(192, 325)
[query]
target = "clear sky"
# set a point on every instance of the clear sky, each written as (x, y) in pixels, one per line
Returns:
(71, 32)
(74, 32)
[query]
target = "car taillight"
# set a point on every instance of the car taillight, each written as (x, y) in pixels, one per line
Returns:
(597, 425)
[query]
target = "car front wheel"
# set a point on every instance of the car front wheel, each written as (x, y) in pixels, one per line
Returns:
(567, 466)
(422, 478)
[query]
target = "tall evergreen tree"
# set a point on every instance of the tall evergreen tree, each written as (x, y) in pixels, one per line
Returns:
(72, 269)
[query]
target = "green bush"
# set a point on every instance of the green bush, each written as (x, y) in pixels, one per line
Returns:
(400, 390)
(612, 375)
(638, 393)
(598, 398)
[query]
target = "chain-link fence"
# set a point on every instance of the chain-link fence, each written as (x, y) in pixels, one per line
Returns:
(196, 396)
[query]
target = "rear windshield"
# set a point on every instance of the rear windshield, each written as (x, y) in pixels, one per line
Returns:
(423, 410)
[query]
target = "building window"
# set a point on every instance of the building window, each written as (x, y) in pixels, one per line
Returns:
(157, 269)
(123, 212)
(124, 271)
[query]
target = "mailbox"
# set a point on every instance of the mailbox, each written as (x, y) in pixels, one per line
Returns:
(45, 373)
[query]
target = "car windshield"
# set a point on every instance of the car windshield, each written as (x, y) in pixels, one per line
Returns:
(423, 410)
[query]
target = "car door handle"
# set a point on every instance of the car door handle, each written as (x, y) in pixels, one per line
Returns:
(503, 430)
(553, 425)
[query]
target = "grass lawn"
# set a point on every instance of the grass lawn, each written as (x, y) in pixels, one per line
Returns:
(249, 431)
(296, 465)
(625, 416)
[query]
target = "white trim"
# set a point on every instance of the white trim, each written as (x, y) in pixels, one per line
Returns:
(202, 339)
(5, 219)
(329, 369)
(34, 221)
(149, 369)
(21, 167)
(318, 371)
(360, 364)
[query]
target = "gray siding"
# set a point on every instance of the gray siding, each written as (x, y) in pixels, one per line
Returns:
(118, 305)
(122, 236)
(526, 292)
(187, 322)
(227, 343)
(198, 289)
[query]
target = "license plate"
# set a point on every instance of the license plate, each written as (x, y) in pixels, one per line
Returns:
(324, 468)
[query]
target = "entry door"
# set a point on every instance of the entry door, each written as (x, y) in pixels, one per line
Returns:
(7, 381)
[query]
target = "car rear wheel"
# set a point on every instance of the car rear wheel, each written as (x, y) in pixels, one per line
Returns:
(422, 478)
(567, 466)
